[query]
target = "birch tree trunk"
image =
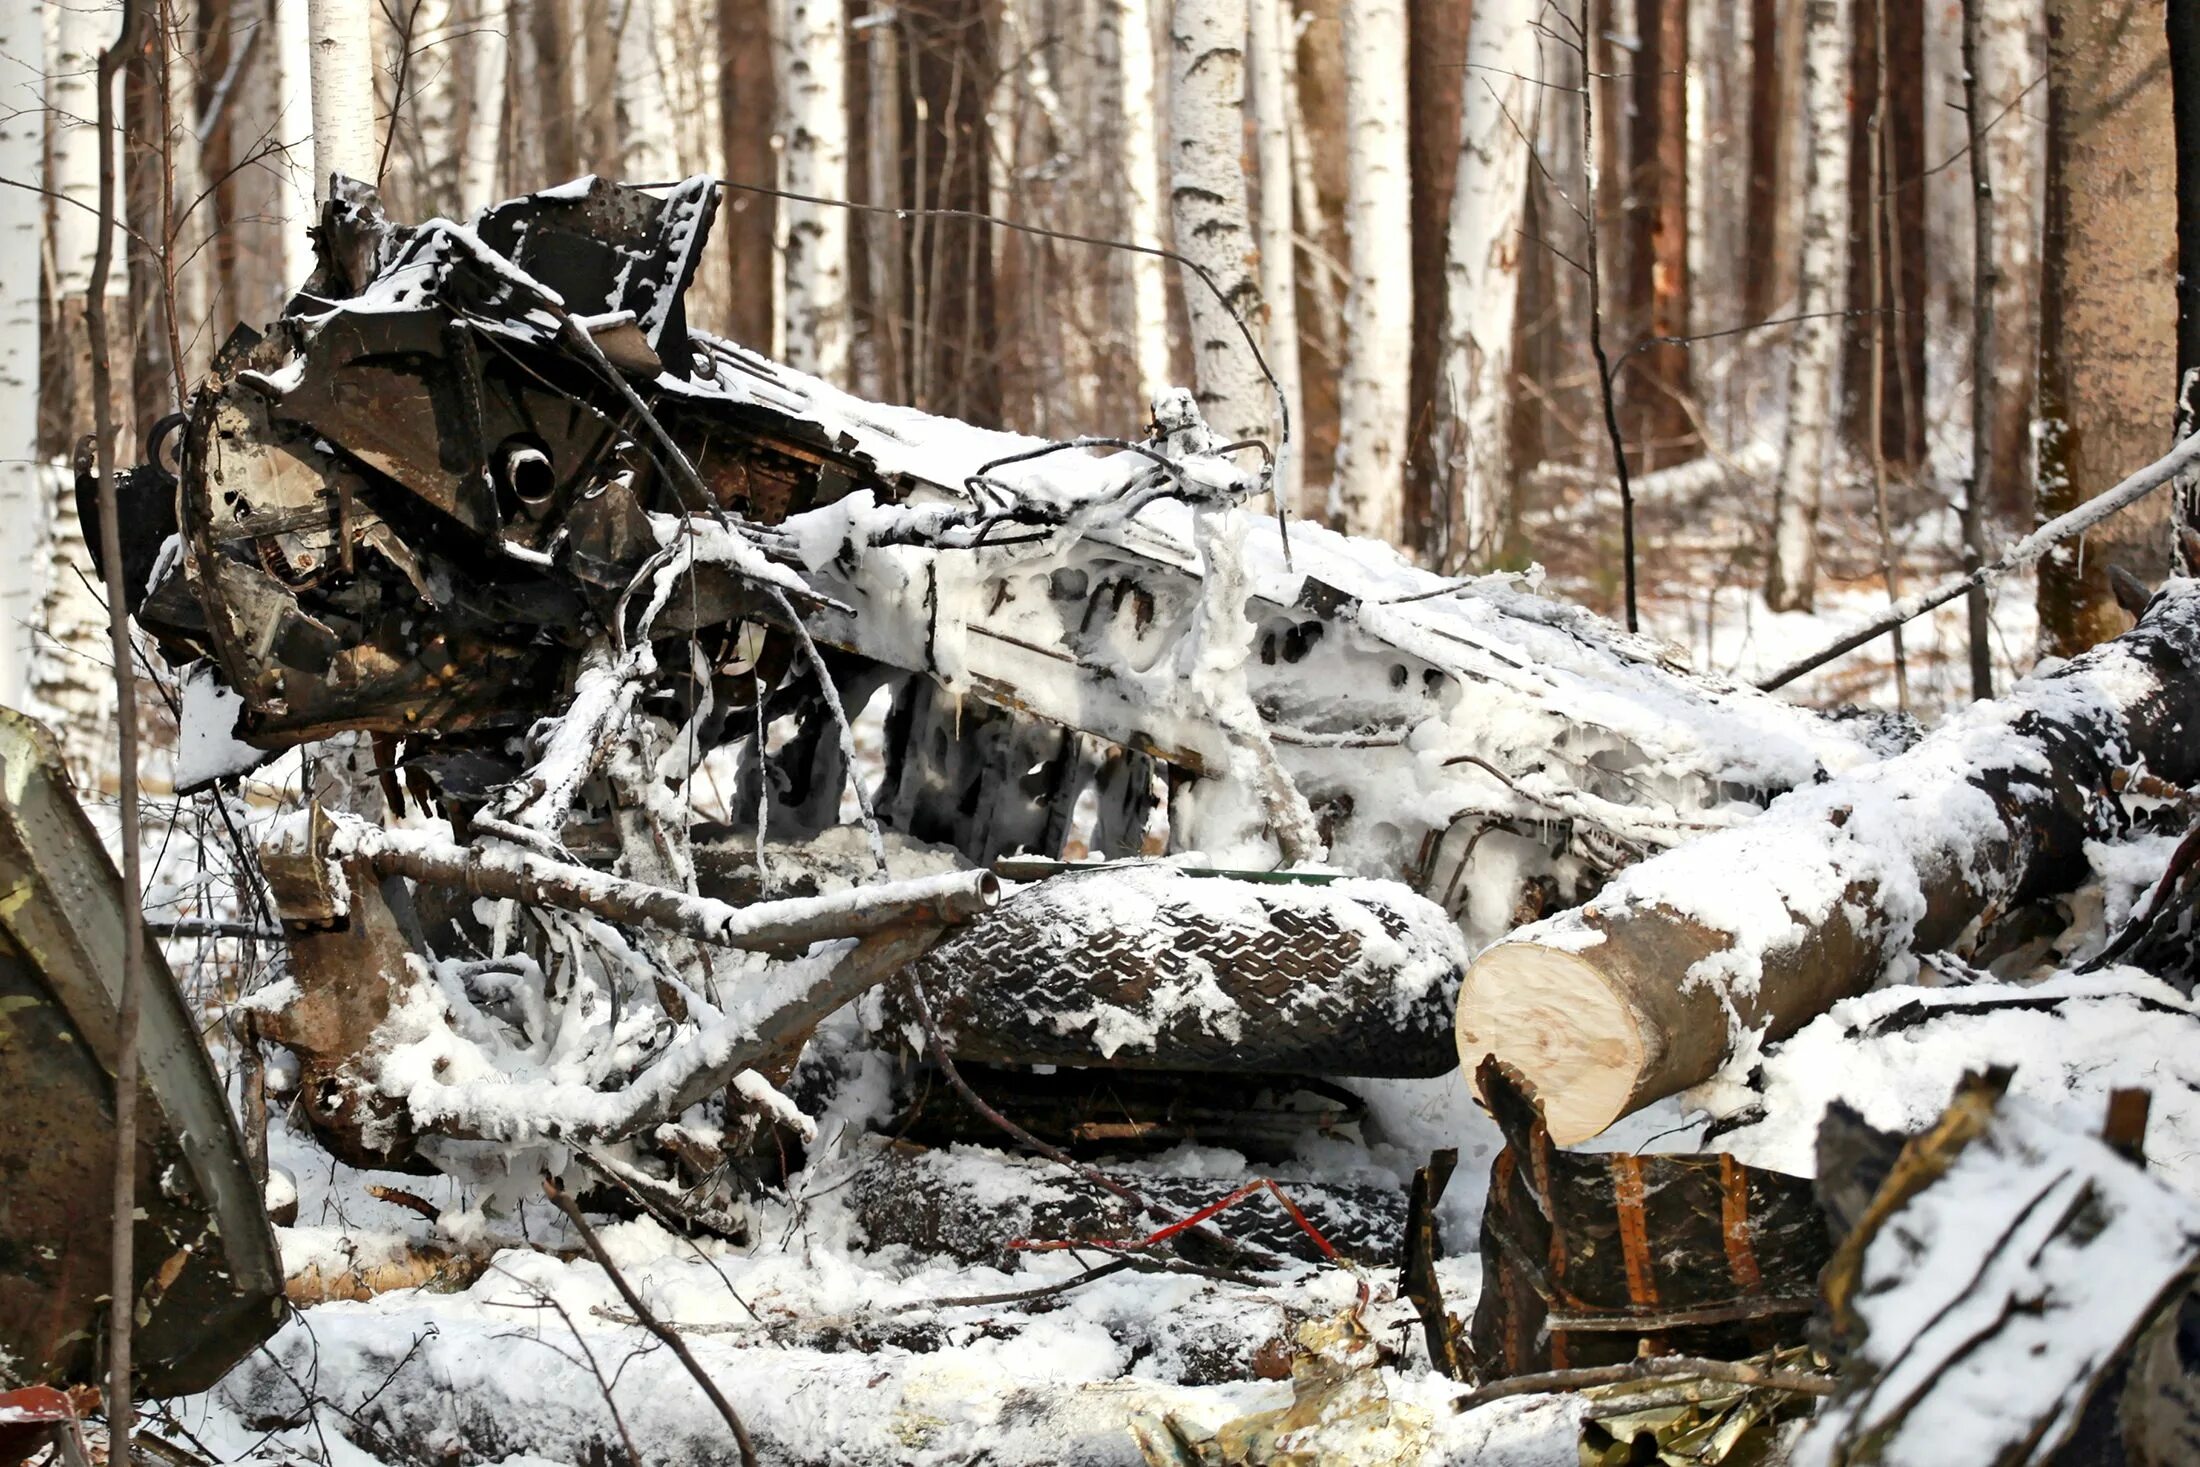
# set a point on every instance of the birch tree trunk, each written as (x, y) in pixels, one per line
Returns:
(487, 60)
(1436, 71)
(294, 192)
(1369, 488)
(1278, 250)
(642, 92)
(22, 511)
(70, 684)
(1482, 277)
(342, 63)
(814, 123)
(2108, 314)
(1207, 197)
(1792, 578)
(1141, 184)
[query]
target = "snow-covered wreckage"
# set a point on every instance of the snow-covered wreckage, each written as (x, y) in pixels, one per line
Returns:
(790, 812)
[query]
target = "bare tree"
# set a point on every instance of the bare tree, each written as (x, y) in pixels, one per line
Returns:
(1657, 379)
(1368, 491)
(22, 511)
(2108, 327)
(1208, 199)
(1482, 274)
(344, 134)
(1271, 105)
(1140, 164)
(1792, 577)
(813, 101)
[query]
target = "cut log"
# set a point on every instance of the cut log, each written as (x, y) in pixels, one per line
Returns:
(1649, 988)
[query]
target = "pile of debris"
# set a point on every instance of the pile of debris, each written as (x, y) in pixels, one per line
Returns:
(755, 768)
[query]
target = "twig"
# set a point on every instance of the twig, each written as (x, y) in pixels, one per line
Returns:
(1017, 1296)
(2023, 553)
(650, 1322)
(1659, 1367)
(122, 1273)
(603, 1386)
(1596, 327)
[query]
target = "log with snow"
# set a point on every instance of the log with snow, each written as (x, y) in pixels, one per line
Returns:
(1751, 932)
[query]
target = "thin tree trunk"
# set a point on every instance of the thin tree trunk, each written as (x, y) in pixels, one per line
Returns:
(747, 108)
(344, 135)
(813, 96)
(1437, 82)
(951, 58)
(1208, 200)
(2108, 327)
(1369, 488)
(1984, 287)
(486, 60)
(1792, 577)
(1141, 184)
(1900, 228)
(145, 145)
(295, 192)
(1271, 102)
(2183, 37)
(22, 225)
(1482, 277)
(648, 149)
(1657, 381)
(2012, 58)
(1767, 164)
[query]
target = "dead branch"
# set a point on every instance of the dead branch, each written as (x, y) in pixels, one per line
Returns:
(793, 923)
(650, 1321)
(1658, 1367)
(2063, 527)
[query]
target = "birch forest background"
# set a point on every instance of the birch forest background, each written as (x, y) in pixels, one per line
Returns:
(1747, 249)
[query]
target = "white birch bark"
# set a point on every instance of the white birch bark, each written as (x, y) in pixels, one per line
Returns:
(69, 684)
(294, 193)
(814, 161)
(648, 150)
(1278, 250)
(341, 51)
(487, 56)
(78, 31)
(1374, 396)
(22, 510)
(1791, 579)
(433, 76)
(1482, 257)
(1141, 183)
(2012, 58)
(1208, 201)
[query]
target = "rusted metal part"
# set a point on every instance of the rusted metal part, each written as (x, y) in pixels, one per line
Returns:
(347, 957)
(1587, 1256)
(209, 1281)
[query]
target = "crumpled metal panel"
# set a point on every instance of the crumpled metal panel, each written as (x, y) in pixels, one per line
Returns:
(209, 1279)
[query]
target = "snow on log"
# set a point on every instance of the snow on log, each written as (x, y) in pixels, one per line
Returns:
(1753, 931)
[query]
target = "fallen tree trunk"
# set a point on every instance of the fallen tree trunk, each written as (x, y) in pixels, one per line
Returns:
(1649, 988)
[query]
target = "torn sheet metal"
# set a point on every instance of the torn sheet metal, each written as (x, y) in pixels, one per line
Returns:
(209, 1282)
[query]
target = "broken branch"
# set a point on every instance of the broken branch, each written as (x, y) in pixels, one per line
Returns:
(2023, 553)
(1660, 1367)
(650, 1322)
